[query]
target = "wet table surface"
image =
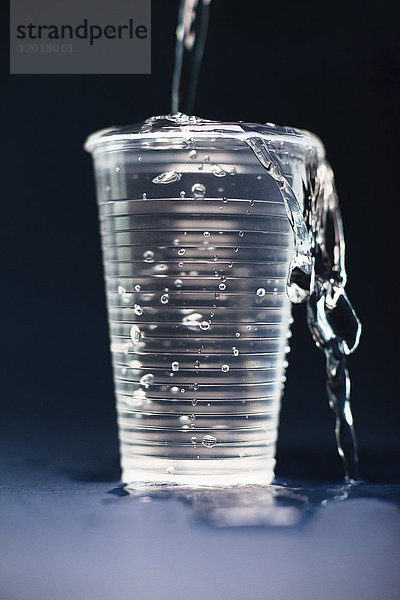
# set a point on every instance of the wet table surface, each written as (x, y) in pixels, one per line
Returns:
(76, 534)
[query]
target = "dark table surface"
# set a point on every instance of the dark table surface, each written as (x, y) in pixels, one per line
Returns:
(69, 531)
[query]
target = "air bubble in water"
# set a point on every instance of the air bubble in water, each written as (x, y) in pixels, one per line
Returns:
(224, 200)
(196, 364)
(195, 386)
(235, 351)
(147, 380)
(137, 309)
(135, 334)
(192, 154)
(209, 441)
(236, 249)
(148, 256)
(167, 177)
(144, 196)
(137, 288)
(207, 159)
(180, 264)
(194, 402)
(206, 234)
(146, 128)
(260, 292)
(175, 366)
(232, 171)
(218, 171)
(237, 334)
(241, 233)
(222, 286)
(178, 283)
(204, 325)
(193, 439)
(198, 190)
(225, 368)
(182, 195)
(164, 299)
(170, 469)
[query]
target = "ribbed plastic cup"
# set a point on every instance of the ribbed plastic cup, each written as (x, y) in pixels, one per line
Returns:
(196, 246)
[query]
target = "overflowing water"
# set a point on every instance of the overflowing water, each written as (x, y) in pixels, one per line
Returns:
(206, 244)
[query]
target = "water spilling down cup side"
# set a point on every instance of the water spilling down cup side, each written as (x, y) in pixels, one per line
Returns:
(201, 223)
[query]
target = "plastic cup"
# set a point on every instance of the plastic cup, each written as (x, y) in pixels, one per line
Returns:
(196, 246)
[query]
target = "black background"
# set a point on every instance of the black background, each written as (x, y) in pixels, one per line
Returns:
(332, 69)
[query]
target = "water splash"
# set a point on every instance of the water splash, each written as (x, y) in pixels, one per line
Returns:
(331, 318)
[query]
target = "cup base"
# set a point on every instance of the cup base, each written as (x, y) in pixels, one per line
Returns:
(224, 472)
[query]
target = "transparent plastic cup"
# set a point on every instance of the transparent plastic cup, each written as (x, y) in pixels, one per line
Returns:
(197, 245)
